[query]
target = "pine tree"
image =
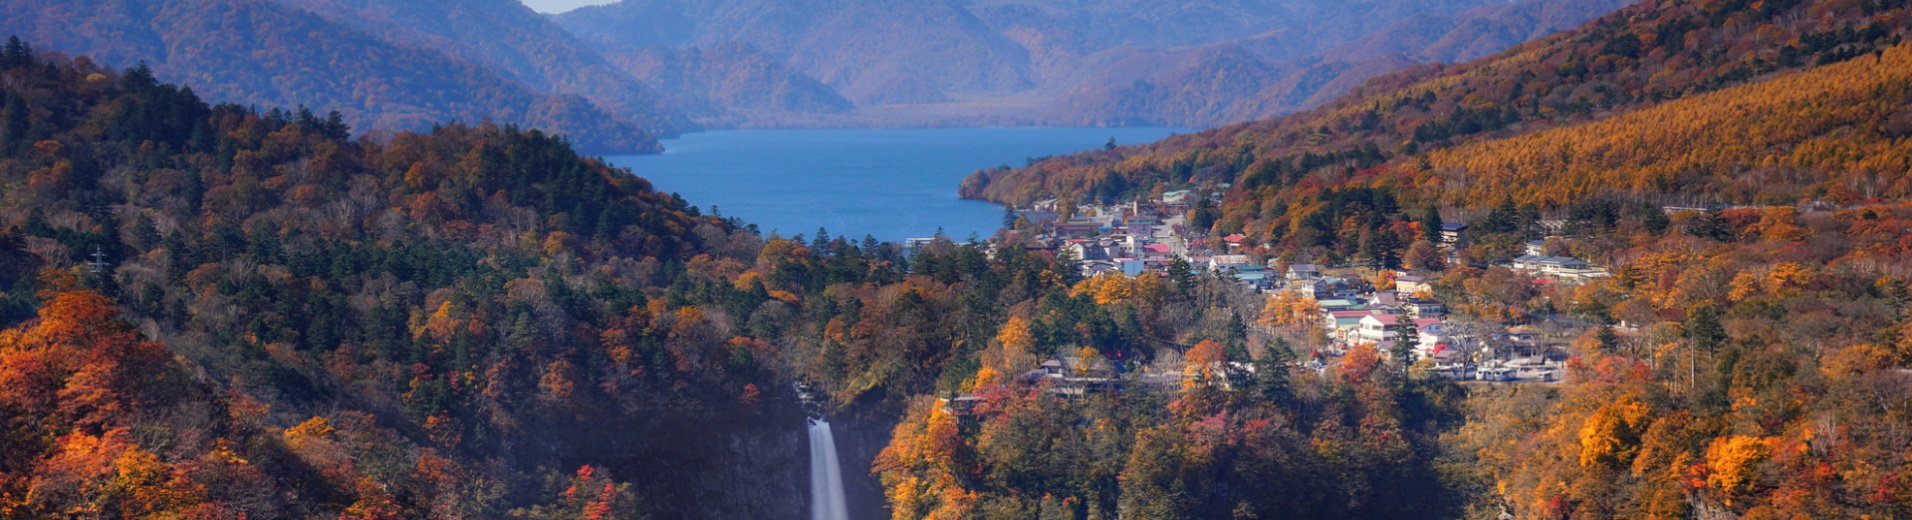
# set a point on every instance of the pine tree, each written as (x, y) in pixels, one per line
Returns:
(1271, 371)
(1431, 224)
(1609, 341)
(1383, 248)
(1235, 345)
(1407, 340)
(1655, 221)
(1067, 268)
(13, 125)
(16, 54)
(1181, 274)
(1204, 217)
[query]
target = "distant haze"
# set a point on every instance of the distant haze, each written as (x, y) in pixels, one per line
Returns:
(559, 6)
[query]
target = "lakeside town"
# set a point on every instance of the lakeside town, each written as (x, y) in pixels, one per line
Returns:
(1341, 302)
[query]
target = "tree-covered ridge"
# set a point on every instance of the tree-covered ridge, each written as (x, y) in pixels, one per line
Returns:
(1837, 132)
(1646, 54)
(355, 329)
(509, 39)
(266, 53)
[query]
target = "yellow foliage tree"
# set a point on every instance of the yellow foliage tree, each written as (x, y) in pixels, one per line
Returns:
(1732, 462)
(1289, 309)
(1610, 435)
(1117, 287)
(1009, 355)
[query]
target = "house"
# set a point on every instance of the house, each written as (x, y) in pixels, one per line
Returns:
(1537, 248)
(1344, 320)
(1039, 218)
(959, 405)
(1432, 332)
(1255, 280)
(1086, 249)
(1222, 262)
(1175, 197)
(1143, 228)
(1304, 272)
(1411, 285)
(1324, 289)
(1093, 268)
(1556, 264)
(1337, 305)
(1132, 267)
(1384, 300)
(1424, 308)
(1340, 288)
(1072, 230)
(1234, 241)
(1378, 326)
(1547, 264)
(1156, 249)
(1054, 368)
(1451, 232)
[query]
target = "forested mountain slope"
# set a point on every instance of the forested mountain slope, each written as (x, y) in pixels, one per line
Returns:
(1637, 58)
(260, 52)
(343, 328)
(478, 322)
(511, 40)
(728, 84)
(1283, 71)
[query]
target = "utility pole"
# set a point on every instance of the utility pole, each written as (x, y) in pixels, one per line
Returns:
(99, 260)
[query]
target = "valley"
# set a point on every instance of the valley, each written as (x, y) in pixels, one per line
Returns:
(421, 259)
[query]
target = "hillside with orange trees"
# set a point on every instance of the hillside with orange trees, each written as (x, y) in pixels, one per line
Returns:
(285, 321)
(1838, 132)
(212, 311)
(1643, 56)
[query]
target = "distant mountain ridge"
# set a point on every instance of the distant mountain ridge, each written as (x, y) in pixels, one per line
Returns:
(510, 39)
(1721, 99)
(1116, 62)
(1242, 80)
(728, 84)
(259, 52)
(615, 78)
(871, 51)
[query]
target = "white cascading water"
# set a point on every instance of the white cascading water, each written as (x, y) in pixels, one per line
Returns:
(826, 476)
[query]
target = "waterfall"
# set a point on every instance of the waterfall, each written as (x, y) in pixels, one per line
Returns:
(826, 476)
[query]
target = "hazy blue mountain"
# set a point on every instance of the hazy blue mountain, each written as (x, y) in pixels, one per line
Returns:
(260, 52)
(1107, 62)
(510, 39)
(1266, 75)
(727, 84)
(871, 51)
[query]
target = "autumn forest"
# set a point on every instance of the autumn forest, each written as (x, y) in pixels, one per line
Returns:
(211, 310)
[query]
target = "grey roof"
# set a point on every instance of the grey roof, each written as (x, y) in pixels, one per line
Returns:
(1548, 259)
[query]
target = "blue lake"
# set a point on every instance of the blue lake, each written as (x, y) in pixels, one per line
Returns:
(890, 183)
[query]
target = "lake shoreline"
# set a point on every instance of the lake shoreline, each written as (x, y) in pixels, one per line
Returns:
(890, 184)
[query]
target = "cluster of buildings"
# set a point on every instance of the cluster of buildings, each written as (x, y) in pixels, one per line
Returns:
(1145, 236)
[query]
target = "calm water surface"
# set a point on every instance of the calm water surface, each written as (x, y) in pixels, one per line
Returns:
(892, 184)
